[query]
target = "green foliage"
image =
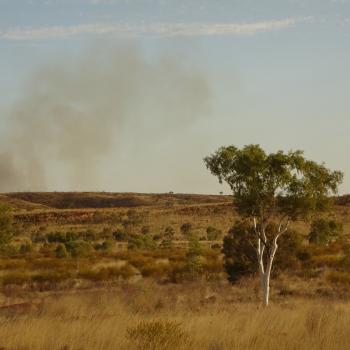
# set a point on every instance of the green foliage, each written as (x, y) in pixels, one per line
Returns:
(6, 225)
(120, 236)
(239, 255)
(61, 251)
(193, 258)
(78, 249)
(291, 252)
(213, 234)
(138, 242)
(186, 229)
(61, 237)
(279, 183)
(323, 231)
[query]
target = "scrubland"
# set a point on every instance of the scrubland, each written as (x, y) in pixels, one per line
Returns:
(119, 274)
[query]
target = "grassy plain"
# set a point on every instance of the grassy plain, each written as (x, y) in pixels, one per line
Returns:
(109, 296)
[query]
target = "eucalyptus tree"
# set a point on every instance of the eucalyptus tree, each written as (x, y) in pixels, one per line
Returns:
(272, 190)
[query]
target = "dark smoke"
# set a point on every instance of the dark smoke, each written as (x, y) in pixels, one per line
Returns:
(74, 118)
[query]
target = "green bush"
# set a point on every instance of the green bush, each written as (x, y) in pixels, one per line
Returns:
(323, 231)
(194, 266)
(120, 236)
(56, 237)
(239, 255)
(138, 242)
(186, 229)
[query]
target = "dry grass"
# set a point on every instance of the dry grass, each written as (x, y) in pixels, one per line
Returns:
(156, 317)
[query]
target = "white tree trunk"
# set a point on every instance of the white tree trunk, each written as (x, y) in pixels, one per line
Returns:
(265, 267)
(266, 289)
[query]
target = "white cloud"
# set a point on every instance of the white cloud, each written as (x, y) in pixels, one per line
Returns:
(156, 29)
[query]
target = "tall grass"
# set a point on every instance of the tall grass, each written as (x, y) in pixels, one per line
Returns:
(151, 319)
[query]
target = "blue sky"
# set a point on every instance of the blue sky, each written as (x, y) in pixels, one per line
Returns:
(276, 71)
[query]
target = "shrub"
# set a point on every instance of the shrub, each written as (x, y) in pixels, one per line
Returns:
(323, 231)
(120, 236)
(157, 237)
(186, 229)
(78, 249)
(193, 262)
(61, 251)
(56, 237)
(239, 255)
(290, 251)
(89, 236)
(141, 243)
(71, 236)
(157, 335)
(105, 246)
(169, 232)
(25, 248)
(213, 234)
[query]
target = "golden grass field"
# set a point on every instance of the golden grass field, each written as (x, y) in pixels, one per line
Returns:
(191, 317)
(126, 299)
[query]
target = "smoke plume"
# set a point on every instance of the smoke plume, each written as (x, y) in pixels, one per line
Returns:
(74, 119)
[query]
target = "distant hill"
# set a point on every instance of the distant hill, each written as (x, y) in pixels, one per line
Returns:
(80, 200)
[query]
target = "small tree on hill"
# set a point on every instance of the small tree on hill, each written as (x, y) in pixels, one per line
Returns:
(275, 189)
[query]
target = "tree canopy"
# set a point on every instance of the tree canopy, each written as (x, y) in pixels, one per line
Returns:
(264, 185)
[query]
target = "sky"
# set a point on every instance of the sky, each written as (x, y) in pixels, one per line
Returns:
(131, 95)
